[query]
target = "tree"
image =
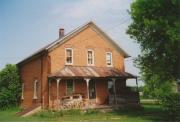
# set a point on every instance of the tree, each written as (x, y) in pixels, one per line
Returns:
(156, 28)
(10, 86)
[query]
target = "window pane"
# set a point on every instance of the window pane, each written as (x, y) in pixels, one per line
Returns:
(110, 87)
(68, 56)
(89, 54)
(90, 57)
(69, 53)
(108, 58)
(69, 59)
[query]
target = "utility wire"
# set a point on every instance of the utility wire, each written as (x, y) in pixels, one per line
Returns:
(91, 37)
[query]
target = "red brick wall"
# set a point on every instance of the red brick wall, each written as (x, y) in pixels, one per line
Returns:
(29, 73)
(80, 45)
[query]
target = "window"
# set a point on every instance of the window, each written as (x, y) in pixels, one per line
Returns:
(110, 87)
(69, 87)
(69, 56)
(90, 57)
(109, 58)
(92, 89)
(22, 94)
(35, 96)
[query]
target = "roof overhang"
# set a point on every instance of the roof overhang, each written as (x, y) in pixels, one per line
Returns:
(90, 72)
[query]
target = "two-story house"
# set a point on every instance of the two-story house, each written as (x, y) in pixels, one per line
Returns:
(84, 65)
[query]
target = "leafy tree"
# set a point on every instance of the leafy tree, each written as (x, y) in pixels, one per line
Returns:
(156, 28)
(10, 86)
(171, 105)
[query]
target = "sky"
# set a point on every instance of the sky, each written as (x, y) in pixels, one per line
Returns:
(28, 25)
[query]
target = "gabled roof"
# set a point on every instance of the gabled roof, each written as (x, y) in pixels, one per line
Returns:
(90, 72)
(65, 38)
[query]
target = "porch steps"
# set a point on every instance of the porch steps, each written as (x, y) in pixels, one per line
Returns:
(29, 111)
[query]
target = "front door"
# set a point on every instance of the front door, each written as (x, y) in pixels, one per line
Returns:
(92, 89)
(111, 92)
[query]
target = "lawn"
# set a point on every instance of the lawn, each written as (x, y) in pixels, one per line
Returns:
(149, 113)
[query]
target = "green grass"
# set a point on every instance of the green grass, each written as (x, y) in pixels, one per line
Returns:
(149, 113)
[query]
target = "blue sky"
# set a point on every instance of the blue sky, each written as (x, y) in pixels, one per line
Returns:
(27, 25)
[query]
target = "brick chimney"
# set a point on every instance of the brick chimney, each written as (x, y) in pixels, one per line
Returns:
(61, 32)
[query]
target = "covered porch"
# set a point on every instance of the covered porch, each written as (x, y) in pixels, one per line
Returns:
(90, 87)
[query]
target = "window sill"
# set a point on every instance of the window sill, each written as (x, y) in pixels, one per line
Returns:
(35, 98)
(68, 64)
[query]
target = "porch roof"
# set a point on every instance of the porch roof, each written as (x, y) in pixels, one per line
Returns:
(90, 72)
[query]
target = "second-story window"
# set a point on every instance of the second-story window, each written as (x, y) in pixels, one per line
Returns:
(109, 58)
(90, 57)
(69, 56)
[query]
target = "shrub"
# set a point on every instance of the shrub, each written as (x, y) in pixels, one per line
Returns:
(10, 87)
(171, 105)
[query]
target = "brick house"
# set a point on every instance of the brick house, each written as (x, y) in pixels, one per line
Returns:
(84, 65)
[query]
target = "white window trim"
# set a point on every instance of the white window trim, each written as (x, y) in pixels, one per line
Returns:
(111, 59)
(22, 94)
(66, 63)
(35, 90)
(92, 57)
(73, 86)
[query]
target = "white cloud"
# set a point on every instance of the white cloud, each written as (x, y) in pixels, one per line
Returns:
(93, 9)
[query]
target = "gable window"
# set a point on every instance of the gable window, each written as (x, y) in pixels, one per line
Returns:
(35, 96)
(69, 56)
(90, 57)
(69, 87)
(109, 58)
(22, 94)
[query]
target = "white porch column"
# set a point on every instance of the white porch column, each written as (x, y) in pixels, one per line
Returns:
(57, 81)
(87, 83)
(114, 89)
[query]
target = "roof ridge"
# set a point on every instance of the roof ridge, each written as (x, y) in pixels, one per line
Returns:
(63, 39)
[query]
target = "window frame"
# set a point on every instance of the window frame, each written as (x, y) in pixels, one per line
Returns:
(35, 89)
(92, 57)
(73, 88)
(22, 91)
(110, 59)
(66, 63)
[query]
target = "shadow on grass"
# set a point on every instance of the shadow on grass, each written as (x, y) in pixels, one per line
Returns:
(148, 112)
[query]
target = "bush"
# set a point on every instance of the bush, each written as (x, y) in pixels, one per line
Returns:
(171, 105)
(10, 87)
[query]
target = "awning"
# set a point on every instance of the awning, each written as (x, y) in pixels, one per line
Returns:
(90, 72)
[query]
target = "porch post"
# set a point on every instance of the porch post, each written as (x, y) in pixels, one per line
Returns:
(137, 85)
(137, 90)
(87, 83)
(114, 84)
(58, 80)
